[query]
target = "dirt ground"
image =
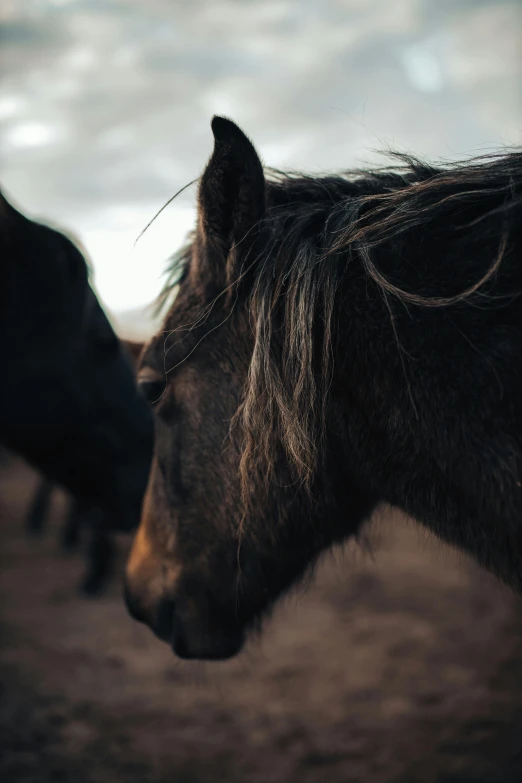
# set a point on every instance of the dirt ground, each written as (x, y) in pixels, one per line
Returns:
(399, 665)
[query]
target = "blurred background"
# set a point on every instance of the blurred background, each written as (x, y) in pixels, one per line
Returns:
(403, 661)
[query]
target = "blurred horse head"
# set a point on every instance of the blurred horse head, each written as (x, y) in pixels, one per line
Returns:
(335, 342)
(68, 400)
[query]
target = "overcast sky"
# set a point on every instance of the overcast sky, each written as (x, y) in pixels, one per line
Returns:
(105, 105)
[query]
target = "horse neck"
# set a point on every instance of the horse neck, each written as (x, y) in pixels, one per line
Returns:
(415, 384)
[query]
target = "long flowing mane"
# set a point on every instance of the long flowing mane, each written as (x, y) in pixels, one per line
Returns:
(315, 230)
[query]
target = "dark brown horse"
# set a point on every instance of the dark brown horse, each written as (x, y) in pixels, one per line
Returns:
(68, 398)
(335, 343)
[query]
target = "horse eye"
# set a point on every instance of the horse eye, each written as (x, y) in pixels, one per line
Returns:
(151, 384)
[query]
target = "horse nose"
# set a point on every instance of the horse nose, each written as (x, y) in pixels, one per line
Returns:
(160, 617)
(134, 607)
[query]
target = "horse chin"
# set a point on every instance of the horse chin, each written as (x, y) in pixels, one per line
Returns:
(215, 645)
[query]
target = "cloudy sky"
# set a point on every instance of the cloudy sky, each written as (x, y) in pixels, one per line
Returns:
(105, 105)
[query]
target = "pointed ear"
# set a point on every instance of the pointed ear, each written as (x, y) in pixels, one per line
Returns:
(232, 189)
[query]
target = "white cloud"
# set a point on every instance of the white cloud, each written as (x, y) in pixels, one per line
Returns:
(33, 134)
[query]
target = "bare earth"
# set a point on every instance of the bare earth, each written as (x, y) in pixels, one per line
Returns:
(400, 665)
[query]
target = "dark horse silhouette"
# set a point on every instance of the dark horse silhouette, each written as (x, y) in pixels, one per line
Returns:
(336, 342)
(69, 402)
(82, 517)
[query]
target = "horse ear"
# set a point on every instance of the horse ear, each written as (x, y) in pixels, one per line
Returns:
(232, 189)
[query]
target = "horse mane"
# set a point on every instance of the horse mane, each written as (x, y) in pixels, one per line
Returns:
(314, 228)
